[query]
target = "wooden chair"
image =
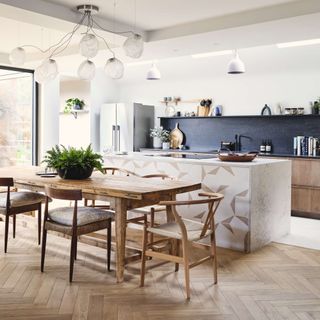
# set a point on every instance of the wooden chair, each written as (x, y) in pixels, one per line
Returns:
(106, 170)
(13, 203)
(74, 221)
(150, 211)
(186, 231)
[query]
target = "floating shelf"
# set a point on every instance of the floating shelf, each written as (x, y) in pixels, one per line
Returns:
(177, 101)
(246, 116)
(74, 112)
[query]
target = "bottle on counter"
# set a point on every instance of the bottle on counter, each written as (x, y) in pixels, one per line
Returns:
(268, 146)
(263, 146)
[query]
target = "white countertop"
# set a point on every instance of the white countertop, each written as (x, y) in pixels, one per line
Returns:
(211, 161)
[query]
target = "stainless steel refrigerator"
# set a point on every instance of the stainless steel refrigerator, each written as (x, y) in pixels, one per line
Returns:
(125, 127)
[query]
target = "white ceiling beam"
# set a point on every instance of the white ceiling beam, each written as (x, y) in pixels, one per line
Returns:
(256, 16)
(52, 15)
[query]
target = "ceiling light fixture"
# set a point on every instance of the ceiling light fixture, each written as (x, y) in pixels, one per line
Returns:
(89, 47)
(211, 54)
(153, 73)
(236, 65)
(298, 43)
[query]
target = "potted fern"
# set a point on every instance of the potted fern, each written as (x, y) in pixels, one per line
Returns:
(73, 104)
(72, 163)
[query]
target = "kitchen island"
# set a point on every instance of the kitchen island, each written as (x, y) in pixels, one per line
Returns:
(257, 205)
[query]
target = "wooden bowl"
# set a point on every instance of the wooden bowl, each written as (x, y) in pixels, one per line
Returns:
(237, 157)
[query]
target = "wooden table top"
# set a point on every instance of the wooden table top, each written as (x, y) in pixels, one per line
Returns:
(105, 185)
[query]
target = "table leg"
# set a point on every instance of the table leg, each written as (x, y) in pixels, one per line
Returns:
(120, 220)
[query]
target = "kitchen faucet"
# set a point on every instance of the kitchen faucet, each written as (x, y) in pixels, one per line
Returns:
(238, 143)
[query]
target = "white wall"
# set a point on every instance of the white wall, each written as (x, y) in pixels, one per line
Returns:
(290, 77)
(75, 132)
(49, 116)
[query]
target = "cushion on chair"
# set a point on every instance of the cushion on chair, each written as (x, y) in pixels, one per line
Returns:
(21, 198)
(86, 215)
(172, 230)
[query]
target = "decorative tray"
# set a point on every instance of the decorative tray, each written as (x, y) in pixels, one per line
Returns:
(237, 157)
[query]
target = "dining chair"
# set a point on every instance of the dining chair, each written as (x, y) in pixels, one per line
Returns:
(186, 233)
(73, 221)
(150, 211)
(17, 202)
(106, 170)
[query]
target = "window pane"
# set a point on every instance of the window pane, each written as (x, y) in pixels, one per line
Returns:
(16, 104)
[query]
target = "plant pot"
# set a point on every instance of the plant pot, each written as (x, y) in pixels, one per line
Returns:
(157, 143)
(76, 107)
(75, 173)
(165, 145)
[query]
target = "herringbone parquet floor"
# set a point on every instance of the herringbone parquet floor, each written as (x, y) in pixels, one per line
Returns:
(277, 282)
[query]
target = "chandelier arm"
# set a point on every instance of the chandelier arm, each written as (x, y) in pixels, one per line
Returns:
(110, 31)
(65, 41)
(106, 43)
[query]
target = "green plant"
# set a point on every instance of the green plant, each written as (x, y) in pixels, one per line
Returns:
(71, 103)
(162, 134)
(62, 158)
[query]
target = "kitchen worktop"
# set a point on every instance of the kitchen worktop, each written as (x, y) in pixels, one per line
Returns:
(257, 204)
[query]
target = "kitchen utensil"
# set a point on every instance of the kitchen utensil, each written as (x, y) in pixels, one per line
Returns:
(176, 137)
(237, 157)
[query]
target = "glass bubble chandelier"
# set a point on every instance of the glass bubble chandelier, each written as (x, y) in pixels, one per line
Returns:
(88, 48)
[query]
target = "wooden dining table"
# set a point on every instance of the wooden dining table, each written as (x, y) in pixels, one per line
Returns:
(124, 193)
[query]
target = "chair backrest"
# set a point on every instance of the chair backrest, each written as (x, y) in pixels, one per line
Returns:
(162, 176)
(212, 199)
(114, 171)
(6, 182)
(63, 194)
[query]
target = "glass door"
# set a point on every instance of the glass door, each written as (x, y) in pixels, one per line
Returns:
(18, 117)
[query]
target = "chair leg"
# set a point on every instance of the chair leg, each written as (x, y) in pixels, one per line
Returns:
(39, 224)
(151, 225)
(76, 249)
(72, 256)
(43, 248)
(177, 253)
(213, 251)
(6, 230)
(85, 202)
(109, 244)
(14, 223)
(185, 250)
(143, 256)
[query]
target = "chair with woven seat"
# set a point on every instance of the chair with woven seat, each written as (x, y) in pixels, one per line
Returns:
(74, 221)
(106, 170)
(185, 232)
(14, 202)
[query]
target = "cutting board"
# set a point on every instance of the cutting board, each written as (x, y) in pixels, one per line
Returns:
(176, 137)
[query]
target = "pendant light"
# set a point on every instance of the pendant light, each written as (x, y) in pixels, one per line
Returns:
(236, 65)
(153, 73)
(86, 70)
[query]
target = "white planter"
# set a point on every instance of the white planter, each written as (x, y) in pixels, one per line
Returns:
(157, 144)
(165, 145)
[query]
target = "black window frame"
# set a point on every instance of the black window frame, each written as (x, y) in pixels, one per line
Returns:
(35, 112)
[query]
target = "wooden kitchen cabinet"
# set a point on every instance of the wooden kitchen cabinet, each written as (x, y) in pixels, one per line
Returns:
(306, 188)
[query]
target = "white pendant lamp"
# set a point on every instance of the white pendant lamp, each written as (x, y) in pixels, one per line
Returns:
(86, 70)
(153, 73)
(46, 72)
(133, 46)
(236, 65)
(114, 68)
(17, 56)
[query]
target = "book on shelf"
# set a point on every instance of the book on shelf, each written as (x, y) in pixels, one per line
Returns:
(305, 146)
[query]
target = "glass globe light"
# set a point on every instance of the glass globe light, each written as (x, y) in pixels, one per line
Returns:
(89, 45)
(46, 72)
(17, 56)
(133, 46)
(86, 70)
(114, 68)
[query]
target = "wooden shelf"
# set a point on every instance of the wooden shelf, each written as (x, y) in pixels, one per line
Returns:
(74, 112)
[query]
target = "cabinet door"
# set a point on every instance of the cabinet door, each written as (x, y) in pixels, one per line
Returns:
(107, 120)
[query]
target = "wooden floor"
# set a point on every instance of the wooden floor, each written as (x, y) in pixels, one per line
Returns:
(278, 282)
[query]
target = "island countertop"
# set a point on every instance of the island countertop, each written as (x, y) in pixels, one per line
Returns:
(257, 205)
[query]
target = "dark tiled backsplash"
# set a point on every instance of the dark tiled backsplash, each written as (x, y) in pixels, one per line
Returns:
(206, 133)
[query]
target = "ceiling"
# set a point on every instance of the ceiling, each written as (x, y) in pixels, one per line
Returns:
(155, 14)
